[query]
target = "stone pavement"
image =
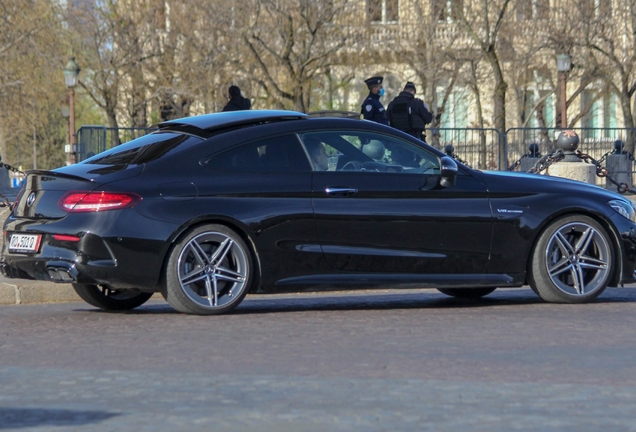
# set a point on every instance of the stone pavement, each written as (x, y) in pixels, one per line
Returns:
(412, 360)
(159, 402)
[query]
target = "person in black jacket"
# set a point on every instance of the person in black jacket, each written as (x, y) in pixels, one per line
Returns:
(236, 102)
(408, 113)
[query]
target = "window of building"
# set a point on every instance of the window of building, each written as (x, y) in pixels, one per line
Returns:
(536, 100)
(532, 10)
(596, 8)
(383, 11)
(455, 113)
(600, 114)
(446, 10)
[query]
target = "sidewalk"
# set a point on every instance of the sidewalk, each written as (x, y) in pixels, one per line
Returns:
(21, 291)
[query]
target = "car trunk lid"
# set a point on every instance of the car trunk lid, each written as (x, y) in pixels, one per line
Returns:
(42, 190)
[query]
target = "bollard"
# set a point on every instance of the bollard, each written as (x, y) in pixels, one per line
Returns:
(571, 166)
(530, 159)
(620, 167)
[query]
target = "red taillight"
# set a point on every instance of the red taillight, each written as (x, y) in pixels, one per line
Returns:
(66, 238)
(78, 202)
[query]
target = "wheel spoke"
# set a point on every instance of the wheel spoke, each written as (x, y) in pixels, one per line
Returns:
(229, 275)
(564, 244)
(584, 241)
(194, 276)
(198, 252)
(221, 252)
(577, 279)
(210, 288)
(593, 263)
(562, 266)
(216, 290)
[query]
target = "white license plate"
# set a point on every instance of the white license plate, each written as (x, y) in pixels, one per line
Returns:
(24, 243)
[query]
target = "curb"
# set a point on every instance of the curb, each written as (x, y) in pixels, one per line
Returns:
(20, 291)
(17, 291)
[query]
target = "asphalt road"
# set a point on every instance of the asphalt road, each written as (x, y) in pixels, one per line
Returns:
(411, 360)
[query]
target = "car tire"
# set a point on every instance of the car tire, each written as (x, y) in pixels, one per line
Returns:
(104, 297)
(466, 293)
(208, 272)
(572, 262)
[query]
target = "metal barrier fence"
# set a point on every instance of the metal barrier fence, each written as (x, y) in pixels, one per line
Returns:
(96, 139)
(594, 142)
(479, 148)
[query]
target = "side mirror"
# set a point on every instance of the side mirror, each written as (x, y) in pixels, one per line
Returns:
(448, 172)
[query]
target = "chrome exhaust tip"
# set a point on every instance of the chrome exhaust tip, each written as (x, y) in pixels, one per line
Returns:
(62, 272)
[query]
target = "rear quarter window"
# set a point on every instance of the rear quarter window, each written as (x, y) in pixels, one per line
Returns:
(271, 155)
(143, 150)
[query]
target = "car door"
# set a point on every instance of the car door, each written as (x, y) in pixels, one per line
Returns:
(266, 186)
(379, 208)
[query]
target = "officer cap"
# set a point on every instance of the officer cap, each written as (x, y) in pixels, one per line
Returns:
(410, 86)
(373, 81)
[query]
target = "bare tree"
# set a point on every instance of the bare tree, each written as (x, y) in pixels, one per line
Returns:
(483, 22)
(611, 51)
(292, 41)
(31, 82)
(113, 45)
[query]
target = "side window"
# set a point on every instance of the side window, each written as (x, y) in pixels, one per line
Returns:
(367, 152)
(272, 155)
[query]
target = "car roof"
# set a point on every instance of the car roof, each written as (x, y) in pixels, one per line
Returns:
(205, 124)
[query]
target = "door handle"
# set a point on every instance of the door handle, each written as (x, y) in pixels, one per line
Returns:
(341, 192)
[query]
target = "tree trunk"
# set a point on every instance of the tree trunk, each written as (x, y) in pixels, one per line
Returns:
(628, 119)
(499, 96)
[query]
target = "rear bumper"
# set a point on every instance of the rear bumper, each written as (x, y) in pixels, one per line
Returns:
(57, 271)
(118, 258)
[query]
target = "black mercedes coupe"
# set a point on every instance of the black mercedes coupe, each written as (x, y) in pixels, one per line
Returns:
(210, 208)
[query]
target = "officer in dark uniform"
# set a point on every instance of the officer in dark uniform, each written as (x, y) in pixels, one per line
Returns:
(408, 113)
(372, 108)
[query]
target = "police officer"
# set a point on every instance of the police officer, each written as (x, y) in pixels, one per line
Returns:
(372, 108)
(408, 113)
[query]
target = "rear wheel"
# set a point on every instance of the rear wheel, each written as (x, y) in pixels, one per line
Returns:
(466, 293)
(209, 271)
(572, 262)
(105, 297)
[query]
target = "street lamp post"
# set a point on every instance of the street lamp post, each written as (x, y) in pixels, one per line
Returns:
(71, 74)
(564, 64)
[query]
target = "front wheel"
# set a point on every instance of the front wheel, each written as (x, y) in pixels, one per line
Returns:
(572, 262)
(209, 271)
(466, 293)
(105, 297)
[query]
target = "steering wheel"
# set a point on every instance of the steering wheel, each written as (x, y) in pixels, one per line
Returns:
(352, 166)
